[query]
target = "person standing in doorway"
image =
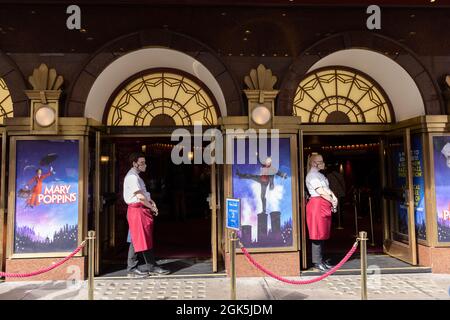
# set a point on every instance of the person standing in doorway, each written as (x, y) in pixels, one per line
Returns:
(319, 208)
(337, 185)
(140, 215)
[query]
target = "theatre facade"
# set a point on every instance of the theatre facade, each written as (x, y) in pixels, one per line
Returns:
(375, 104)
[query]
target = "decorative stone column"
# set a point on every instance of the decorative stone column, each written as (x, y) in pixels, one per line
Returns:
(44, 100)
(261, 97)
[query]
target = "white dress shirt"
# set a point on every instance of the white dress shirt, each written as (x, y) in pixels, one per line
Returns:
(314, 179)
(131, 184)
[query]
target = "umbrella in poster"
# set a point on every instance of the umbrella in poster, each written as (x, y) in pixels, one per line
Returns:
(48, 159)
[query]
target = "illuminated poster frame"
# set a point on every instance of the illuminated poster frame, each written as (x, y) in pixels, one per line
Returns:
(65, 188)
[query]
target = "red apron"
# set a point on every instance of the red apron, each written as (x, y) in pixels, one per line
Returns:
(318, 218)
(140, 221)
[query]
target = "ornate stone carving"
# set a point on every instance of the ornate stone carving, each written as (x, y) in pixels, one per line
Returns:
(260, 79)
(44, 100)
(45, 79)
(261, 97)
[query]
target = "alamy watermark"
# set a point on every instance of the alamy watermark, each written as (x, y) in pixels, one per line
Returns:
(374, 20)
(73, 21)
(240, 146)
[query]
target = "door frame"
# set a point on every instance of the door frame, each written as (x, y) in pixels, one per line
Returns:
(404, 251)
(126, 132)
(425, 126)
(327, 130)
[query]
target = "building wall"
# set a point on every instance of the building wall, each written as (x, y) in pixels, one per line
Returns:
(78, 81)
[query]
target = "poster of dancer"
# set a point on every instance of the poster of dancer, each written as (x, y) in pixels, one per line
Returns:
(418, 186)
(441, 155)
(46, 196)
(266, 193)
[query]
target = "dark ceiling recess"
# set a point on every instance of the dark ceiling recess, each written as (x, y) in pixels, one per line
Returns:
(231, 28)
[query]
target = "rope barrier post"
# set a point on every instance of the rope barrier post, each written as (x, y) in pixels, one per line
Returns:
(363, 239)
(91, 264)
(372, 240)
(233, 240)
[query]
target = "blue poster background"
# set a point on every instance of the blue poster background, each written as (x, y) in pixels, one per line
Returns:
(418, 187)
(47, 222)
(442, 188)
(400, 182)
(279, 200)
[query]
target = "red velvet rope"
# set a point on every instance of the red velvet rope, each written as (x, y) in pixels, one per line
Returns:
(35, 273)
(273, 275)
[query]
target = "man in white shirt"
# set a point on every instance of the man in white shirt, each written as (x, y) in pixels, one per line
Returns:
(318, 210)
(141, 209)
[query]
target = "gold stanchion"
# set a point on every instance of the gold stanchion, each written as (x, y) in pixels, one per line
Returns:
(91, 264)
(233, 240)
(363, 239)
(372, 240)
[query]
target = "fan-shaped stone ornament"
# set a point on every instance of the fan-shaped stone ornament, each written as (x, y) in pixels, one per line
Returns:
(45, 79)
(260, 78)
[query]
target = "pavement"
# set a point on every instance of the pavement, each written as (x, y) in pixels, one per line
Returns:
(336, 287)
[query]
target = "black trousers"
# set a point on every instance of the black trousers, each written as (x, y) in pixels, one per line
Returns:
(317, 251)
(133, 259)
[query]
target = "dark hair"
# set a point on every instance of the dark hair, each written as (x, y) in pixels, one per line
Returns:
(135, 156)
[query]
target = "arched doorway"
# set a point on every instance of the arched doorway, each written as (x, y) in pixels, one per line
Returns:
(140, 115)
(349, 119)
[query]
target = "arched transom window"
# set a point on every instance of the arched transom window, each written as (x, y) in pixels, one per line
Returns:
(160, 98)
(6, 105)
(341, 95)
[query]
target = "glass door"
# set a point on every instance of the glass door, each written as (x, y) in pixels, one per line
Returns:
(213, 206)
(398, 200)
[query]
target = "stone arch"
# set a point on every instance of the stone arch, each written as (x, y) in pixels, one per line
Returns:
(206, 60)
(400, 54)
(15, 81)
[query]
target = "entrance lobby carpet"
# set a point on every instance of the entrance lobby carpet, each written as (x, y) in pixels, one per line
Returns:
(376, 263)
(177, 267)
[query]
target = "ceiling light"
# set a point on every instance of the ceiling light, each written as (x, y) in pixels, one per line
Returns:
(248, 31)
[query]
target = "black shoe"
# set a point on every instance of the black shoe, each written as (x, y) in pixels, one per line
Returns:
(321, 267)
(327, 264)
(158, 271)
(136, 273)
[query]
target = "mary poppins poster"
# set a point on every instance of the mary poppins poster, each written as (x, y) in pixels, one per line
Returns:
(47, 199)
